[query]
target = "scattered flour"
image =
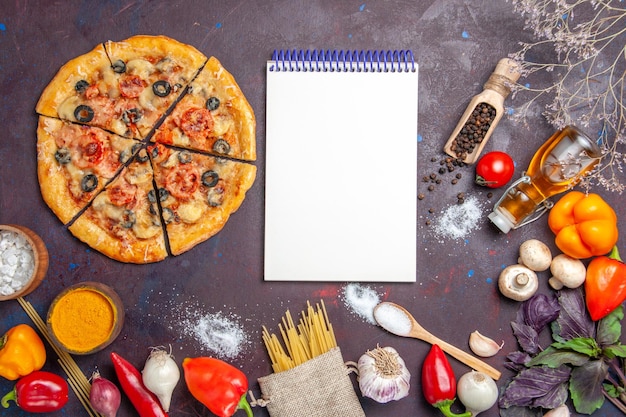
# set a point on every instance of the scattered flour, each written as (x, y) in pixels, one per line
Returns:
(459, 220)
(361, 300)
(17, 262)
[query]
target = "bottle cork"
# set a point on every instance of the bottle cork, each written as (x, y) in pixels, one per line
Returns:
(483, 113)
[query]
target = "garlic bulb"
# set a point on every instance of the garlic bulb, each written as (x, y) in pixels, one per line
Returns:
(383, 376)
(560, 411)
(483, 346)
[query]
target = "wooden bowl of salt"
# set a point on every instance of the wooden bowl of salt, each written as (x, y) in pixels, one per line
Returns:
(85, 318)
(23, 261)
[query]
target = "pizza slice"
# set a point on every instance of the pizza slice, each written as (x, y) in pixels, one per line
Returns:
(197, 193)
(124, 87)
(74, 162)
(214, 117)
(121, 222)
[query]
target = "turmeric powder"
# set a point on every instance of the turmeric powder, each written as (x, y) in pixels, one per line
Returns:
(82, 319)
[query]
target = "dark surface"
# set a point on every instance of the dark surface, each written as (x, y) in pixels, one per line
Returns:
(457, 44)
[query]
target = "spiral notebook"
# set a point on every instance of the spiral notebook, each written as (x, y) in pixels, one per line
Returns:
(341, 166)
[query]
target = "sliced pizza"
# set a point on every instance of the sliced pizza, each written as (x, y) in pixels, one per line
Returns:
(74, 162)
(124, 87)
(121, 222)
(197, 193)
(152, 72)
(214, 117)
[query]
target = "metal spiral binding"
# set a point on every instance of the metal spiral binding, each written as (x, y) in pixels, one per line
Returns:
(318, 60)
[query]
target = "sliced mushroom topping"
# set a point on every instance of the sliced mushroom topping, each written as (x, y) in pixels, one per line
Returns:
(89, 183)
(63, 156)
(215, 196)
(128, 219)
(161, 88)
(83, 113)
(168, 215)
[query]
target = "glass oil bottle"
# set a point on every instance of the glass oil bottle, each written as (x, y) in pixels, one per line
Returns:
(483, 113)
(557, 166)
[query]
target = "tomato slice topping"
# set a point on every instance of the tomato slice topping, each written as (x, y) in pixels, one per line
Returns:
(122, 194)
(89, 150)
(131, 86)
(197, 123)
(182, 181)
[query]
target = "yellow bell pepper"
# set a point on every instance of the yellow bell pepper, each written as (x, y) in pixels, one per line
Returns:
(21, 352)
(584, 224)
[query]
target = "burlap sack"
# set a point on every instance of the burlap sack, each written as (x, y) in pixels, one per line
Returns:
(320, 387)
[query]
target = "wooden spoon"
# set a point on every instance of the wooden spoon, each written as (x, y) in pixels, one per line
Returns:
(401, 323)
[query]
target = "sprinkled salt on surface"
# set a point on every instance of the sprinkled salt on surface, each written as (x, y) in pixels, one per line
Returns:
(392, 319)
(16, 262)
(219, 334)
(361, 300)
(460, 219)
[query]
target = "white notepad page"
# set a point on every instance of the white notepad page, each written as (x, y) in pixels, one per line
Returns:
(341, 175)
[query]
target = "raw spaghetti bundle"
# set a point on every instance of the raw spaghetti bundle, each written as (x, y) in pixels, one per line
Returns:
(310, 377)
(312, 337)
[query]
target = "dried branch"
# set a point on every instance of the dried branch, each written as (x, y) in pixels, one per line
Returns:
(587, 42)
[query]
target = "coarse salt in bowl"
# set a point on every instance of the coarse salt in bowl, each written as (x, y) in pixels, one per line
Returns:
(23, 261)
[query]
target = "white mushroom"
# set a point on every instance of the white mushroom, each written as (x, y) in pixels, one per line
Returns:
(517, 282)
(567, 272)
(535, 255)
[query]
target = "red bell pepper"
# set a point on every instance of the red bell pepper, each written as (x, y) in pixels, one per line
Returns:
(38, 392)
(439, 382)
(605, 284)
(218, 385)
(145, 402)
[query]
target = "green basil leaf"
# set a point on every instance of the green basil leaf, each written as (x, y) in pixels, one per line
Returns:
(584, 345)
(614, 351)
(612, 391)
(610, 328)
(585, 386)
(553, 358)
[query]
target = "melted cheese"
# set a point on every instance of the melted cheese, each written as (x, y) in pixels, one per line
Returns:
(140, 67)
(190, 212)
(67, 107)
(144, 227)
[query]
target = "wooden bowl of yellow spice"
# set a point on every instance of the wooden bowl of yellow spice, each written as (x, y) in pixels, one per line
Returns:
(85, 318)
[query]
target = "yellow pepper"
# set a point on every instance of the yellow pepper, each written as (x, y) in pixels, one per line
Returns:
(21, 352)
(584, 224)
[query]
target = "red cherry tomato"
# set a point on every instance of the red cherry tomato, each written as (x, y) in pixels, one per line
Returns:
(494, 169)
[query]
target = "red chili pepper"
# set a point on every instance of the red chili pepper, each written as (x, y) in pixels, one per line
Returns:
(38, 392)
(144, 401)
(439, 382)
(605, 284)
(218, 385)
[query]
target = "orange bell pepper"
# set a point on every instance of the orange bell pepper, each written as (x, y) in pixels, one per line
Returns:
(21, 352)
(584, 224)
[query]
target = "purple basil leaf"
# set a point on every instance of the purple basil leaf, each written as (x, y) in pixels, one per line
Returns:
(516, 361)
(609, 329)
(540, 310)
(573, 320)
(586, 386)
(527, 337)
(537, 386)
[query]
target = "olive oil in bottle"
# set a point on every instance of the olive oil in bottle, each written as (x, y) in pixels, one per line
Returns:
(557, 166)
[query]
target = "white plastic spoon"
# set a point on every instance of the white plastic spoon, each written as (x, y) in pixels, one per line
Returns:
(397, 320)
